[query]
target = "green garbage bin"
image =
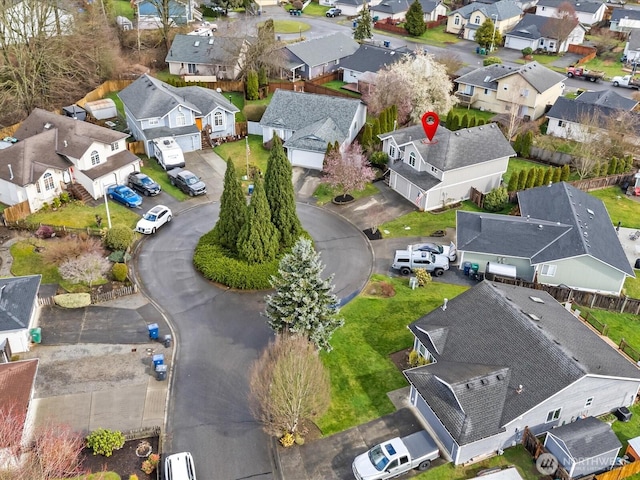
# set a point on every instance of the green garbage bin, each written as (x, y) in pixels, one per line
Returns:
(36, 335)
(483, 51)
(475, 267)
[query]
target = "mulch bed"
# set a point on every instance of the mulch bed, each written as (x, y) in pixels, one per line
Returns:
(401, 359)
(373, 236)
(124, 461)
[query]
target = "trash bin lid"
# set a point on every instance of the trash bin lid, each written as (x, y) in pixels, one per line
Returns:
(161, 368)
(158, 357)
(152, 326)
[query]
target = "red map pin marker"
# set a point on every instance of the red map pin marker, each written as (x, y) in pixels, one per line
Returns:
(430, 122)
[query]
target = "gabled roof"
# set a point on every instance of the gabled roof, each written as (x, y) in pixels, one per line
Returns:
(17, 301)
(204, 50)
(584, 6)
(586, 438)
(16, 383)
(317, 51)
(449, 150)
(149, 97)
(538, 76)
(592, 232)
(534, 27)
(634, 39)
(371, 58)
(620, 13)
(399, 6)
(579, 112)
(314, 118)
(607, 98)
(504, 9)
(492, 339)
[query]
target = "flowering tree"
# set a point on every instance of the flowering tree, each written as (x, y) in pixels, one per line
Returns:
(88, 268)
(416, 84)
(349, 170)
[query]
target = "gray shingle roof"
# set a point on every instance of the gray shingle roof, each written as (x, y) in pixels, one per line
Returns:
(538, 76)
(583, 112)
(504, 10)
(587, 438)
(157, 132)
(634, 39)
(17, 301)
(148, 97)
(620, 13)
(579, 5)
(451, 150)
(607, 98)
(492, 345)
(533, 27)
(314, 118)
(204, 50)
(592, 232)
(399, 6)
(317, 51)
(370, 58)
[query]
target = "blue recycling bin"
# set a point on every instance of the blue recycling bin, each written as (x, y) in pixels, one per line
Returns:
(478, 49)
(154, 331)
(251, 187)
(387, 43)
(158, 359)
(466, 268)
(355, 24)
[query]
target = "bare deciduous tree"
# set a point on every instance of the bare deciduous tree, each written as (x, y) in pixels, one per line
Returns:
(86, 268)
(515, 96)
(560, 26)
(288, 385)
(452, 62)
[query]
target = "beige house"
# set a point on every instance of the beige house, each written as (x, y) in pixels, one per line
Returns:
(466, 20)
(500, 88)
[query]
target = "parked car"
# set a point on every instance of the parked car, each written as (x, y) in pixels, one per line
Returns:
(179, 466)
(406, 261)
(334, 12)
(144, 184)
(187, 181)
(448, 251)
(124, 195)
(154, 219)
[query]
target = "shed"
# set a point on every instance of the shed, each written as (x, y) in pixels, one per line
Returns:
(74, 111)
(509, 473)
(102, 109)
(633, 449)
(584, 447)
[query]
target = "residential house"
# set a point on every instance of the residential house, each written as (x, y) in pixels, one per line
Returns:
(307, 123)
(466, 20)
(538, 33)
(317, 56)
(369, 58)
(200, 58)
(19, 311)
(436, 173)
(632, 47)
(590, 114)
(584, 447)
(55, 153)
(180, 12)
(351, 8)
(397, 9)
(563, 237)
(588, 12)
(155, 109)
(503, 358)
(17, 387)
(30, 19)
(624, 20)
(498, 88)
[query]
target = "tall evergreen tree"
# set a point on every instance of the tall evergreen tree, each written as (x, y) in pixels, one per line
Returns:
(464, 123)
(472, 122)
(263, 79)
(259, 239)
(531, 178)
(455, 123)
(364, 28)
(557, 174)
(513, 182)
(522, 179)
(566, 171)
(303, 301)
(449, 119)
(367, 138)
(415, 20)
(279, 190)
(233, 211)
(548, 176)
(253, 90)
(539, 176)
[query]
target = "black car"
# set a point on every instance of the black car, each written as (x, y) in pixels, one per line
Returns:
(143, 184)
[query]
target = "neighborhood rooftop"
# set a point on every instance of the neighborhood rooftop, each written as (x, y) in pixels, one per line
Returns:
(371, 58)
(203, 50)
(503, 9)
(321, 50)
(538, 76)
(585, 6)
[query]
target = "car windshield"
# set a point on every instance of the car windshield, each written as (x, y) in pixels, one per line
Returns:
(127, 193)
(152, 217)
(192, 180)
(145, 181)
(378, 458)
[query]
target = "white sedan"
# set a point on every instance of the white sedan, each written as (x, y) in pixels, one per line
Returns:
(154, 219)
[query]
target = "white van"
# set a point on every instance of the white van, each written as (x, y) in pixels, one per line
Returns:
(168, 153)
(179, 466)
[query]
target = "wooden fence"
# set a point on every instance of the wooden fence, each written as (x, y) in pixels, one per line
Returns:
(97, 297)
(388, 27)
(536, 448)
(16, 212)
(588, 53)
(60, 230)
(619, 473)
(102, 90)
(137, 148)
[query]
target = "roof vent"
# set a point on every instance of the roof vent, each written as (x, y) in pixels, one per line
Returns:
(484, 381)
(48, 125)
(534, 317)
(590, 212)
(537, 299)
(211, 41)
(487, 78)
(520, 389)
(540, 227)
(500, 376)
(586, 234)
(457, 134)
(196, 43)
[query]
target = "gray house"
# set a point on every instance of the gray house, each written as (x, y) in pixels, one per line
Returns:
(307, 123)
(538, 33)
(19, 311)
(632, 47)
(441, 172)
(317, 56)
(504, 358)
(208, 59)
(563, 237)
(624, 20)
(397, 9)
(369, 59)
(156, 109)
(584, 447)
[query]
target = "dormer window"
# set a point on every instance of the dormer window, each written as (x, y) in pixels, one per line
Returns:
(95, 158)
(181, 119)
(476, 20)
(456, 20)
(412, 159)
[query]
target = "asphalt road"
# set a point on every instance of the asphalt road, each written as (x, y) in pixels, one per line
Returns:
(219, 333)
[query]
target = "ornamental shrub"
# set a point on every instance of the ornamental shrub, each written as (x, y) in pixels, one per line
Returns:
(526, 51)
(119, 272)
(423, 276)
(379, 159)
(287, 440)
(118, 238)
(496, 199)
(104, 442)
(491, 60)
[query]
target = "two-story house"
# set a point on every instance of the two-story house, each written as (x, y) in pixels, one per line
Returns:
(155, 109)
(624, 20)
(588, 12)
(436, 173)
(632, 47)
(179, 12)
(54, 151)
(503, 358)
(466, 20)
(499, 88)
(539, 33)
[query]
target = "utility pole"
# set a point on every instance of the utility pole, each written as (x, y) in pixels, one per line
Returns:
(493, 37)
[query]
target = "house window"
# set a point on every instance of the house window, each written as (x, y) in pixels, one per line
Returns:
(434, 169)
(548, 270)
(412, 159)
(456, 20)
(48, 181)
(486, 91)
(38, 187)
(553, 415)
(153, 122)
(192, 68)
(524, 92)
(541, 41)
(217, 119)
(114, 147)
(392, 151)
(181, 119)
(95, 158)
(476, 20)
(561, 123)
(589, 402)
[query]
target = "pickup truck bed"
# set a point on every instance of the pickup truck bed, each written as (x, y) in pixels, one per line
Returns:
(420, 444)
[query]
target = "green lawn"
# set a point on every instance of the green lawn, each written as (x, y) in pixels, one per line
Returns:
(27, 262)
(154, 170)
(517, 164)
(315, 10)
(541, 59)
(620, 208)
(77, 215)
(237, 151)
(627, 430)
(437, 37)
(359, 366)
(324, 193)
(337, 86)
(290, 26)
(472, 112)
(611, 68)
(116, 99)
(632, 286)
(121, 8)
(621, 325)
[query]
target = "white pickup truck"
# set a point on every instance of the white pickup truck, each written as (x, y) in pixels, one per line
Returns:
(408, 260)
(396, 456)
(627, 81)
